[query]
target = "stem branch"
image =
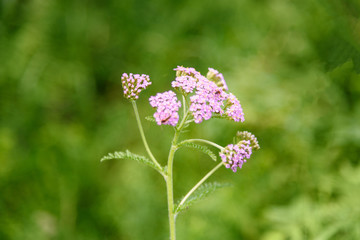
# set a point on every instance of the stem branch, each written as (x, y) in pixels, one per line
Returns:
(204, 141)
(144, 139)
(184, 105)
(199, 183)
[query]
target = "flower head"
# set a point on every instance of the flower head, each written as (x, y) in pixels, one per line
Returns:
(133, 84)
(234, 156)
(218, 78)
(167, 106)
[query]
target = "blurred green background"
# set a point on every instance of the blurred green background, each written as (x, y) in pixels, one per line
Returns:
(294, 65)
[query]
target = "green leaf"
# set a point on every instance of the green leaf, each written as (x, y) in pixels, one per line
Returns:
(202, 192)
(128, 155)
(220, 116)
(150, 119)
(201, 148)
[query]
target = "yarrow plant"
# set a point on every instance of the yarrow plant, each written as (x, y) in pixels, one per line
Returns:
(203, 98)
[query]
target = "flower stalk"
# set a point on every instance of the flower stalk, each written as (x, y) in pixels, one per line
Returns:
(204, 141)
(144, 138)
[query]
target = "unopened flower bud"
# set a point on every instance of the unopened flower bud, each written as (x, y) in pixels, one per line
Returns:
(247, 136)
(186, 71)
(217, 78)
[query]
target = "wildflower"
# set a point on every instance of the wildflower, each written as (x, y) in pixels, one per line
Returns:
(167, 106)
(234, 156)
(234, 110)
(217, 78)
(133, 84)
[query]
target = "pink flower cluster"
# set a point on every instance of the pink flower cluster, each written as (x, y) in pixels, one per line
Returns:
(167, 106)
(133, 84)
(210, 96)
(234, 156)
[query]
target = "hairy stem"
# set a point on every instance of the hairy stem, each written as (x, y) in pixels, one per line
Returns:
(199, 183)
(143, 137)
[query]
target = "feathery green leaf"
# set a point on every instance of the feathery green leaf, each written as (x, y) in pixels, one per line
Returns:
(202, 192)
(150, 119)
(201, 148)
(129, 155)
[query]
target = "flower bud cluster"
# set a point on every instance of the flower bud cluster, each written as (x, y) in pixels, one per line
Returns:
(186, 71)
(235, 155)
(217, 78)
(167, 106)
(133, 84)
(245, 135)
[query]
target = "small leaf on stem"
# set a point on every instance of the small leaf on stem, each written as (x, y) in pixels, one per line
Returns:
(201, 148)
(201, 193)
(129, 155)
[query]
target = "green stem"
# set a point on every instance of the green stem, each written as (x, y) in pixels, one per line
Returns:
(169, 186)
(199, 183)
(169, 178)
(144, 139)
(204, 141)
(184, 105)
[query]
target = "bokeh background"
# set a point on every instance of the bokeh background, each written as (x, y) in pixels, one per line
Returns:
(294, 65)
